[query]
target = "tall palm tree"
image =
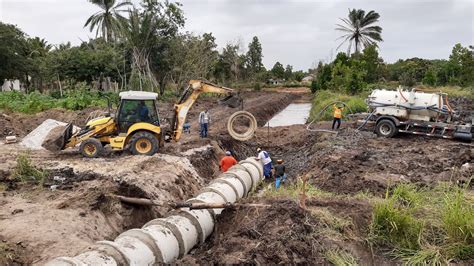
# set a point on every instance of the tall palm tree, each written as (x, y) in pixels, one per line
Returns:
(359, 29)
(106, 20)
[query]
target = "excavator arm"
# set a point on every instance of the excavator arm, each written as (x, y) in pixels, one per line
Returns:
(190, 95)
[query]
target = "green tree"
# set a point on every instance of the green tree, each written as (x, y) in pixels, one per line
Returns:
(372, 63)
(144, 32)
(359, 29)
(278, 70)
(323, 77)
(299, 75)
(193, 57)
(462, 65)
(254, 57)
(289, 72)
(430, 77)
(228, 65)
(106, 21)
(13, 53)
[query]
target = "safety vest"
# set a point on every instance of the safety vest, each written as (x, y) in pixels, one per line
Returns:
(337, 113)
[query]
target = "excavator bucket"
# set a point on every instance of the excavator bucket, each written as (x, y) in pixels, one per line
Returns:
(58, 138)
(232, 101)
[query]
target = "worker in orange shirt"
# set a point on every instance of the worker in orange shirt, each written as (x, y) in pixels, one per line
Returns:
(227, 162)
(337, 116)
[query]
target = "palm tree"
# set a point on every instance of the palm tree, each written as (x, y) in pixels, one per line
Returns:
(139, 33)
(358, 29)
(106, 20)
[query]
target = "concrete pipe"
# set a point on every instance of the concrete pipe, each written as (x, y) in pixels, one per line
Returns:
(255, 169)
(241, 173)
(223, 189)
(245, 135)
(166, 239)
(237, 185)
(212, 197)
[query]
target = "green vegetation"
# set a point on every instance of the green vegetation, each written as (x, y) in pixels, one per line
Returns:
(36, 102)
(340, 257)
(323, 98)
(26, 172)
(430, 226)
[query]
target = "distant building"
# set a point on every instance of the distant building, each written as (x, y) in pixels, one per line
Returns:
(307, 79)
(275, 81)
(11, 85)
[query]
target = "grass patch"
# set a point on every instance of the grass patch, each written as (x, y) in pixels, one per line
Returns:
(425, 227)
(26, 172)
(340, 257)
(294, 190)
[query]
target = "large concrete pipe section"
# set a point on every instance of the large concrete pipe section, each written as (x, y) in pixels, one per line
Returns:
(165, 240)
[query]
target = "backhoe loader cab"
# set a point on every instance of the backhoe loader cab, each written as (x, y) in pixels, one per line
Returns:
(135, 126)
(137, 107)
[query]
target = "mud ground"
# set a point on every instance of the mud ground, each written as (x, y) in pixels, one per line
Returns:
(75, 207)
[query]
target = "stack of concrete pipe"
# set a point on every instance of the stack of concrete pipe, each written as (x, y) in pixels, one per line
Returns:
(165, 240)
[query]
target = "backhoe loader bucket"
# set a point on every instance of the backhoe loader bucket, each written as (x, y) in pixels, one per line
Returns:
(58, 138)
(232, 101)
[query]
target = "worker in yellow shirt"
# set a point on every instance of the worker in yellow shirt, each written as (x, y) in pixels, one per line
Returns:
(337, 116)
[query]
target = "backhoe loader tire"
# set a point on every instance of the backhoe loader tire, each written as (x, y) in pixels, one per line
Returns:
(144, 143)
(91, 148)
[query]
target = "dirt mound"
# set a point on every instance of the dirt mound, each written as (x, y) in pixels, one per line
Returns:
(285, 234)
(20, 124)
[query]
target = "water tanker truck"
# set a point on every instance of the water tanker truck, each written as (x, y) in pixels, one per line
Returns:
(416, 112)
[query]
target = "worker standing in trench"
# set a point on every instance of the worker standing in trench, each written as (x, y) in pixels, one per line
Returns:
(227, 162)
(267, 163)
(280, 175)
(337, 116)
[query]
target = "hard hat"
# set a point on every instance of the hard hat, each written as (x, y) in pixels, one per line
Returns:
(258, 149)
(279, 161)
(228, 153)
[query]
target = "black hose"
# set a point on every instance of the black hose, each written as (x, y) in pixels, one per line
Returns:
(320, 113)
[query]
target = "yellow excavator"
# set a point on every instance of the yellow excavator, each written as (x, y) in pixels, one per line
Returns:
(136, 124)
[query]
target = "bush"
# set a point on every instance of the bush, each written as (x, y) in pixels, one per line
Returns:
(395, 225)
(257, 86)
(458, 217)
(25, 171)
(425, 226)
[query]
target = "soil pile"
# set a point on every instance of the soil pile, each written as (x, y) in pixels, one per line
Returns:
(284, 233)
(53, 141)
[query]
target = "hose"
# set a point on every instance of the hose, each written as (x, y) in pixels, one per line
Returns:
(246, 135)
(320, 114)
(366, 120)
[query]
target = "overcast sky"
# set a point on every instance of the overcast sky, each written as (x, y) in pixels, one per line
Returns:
(295, 32)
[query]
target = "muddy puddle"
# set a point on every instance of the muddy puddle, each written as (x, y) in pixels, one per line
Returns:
(293, 114)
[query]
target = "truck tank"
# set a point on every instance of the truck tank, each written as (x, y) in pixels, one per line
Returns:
(411, 105)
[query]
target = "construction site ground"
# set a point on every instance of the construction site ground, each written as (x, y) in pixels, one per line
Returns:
(76, 206)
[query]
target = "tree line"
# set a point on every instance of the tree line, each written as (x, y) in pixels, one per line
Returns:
(355, 72)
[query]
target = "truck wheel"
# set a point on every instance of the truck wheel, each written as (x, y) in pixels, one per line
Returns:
(386, 128)
(144, 143)
(91, 148)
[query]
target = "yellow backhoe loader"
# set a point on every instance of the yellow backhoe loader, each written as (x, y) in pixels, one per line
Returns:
(136, 125)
